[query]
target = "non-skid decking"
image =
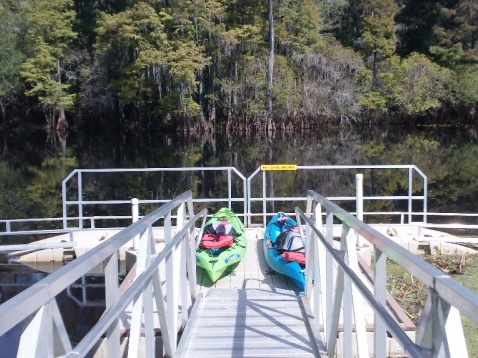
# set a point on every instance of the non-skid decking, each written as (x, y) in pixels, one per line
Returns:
(250, 312)
(250, 323)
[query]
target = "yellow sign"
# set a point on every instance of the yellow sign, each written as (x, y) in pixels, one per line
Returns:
(278, 167)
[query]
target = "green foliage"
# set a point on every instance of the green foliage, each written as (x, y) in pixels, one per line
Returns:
(286, 89)
(416, 84)
(39, 71)
(456, 33)
(378, 32)
(377, 38)
(211, 57)
(49, 35)
(448, 56)
(137, 37)
(373, 101)
(415, 21)
(297, 27)
(332, 13)
(190, 108)
(151, 58)
(465, 85)
(10, 57)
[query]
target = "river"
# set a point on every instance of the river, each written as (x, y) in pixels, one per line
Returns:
(35, 163)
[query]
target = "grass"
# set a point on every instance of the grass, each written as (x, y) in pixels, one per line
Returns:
(411, 294)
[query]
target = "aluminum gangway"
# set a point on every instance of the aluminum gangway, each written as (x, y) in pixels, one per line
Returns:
(163, 295)
(251, 323)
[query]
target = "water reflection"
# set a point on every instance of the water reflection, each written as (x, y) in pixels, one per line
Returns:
(81, 304)
(446, 155)
(34, 165)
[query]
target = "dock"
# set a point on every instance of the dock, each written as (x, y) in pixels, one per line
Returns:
(165, 304)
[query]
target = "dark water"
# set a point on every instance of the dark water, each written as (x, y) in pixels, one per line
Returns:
(80, 305)
(33, 168)
(34, 163)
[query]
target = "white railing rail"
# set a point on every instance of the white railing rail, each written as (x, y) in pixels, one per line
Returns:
(80, 175)
(172, 293)
(267, 188)
(8, 226)
(440, 332)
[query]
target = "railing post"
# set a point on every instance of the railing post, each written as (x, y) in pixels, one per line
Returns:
(135, 216)
(380, 294)
(359, 203)
(410, 195)
(229, 189)
(80, 199)
(264, 196)
(111, 298)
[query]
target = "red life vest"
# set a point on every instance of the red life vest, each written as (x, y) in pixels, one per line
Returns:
(294, 256)
(215, 241)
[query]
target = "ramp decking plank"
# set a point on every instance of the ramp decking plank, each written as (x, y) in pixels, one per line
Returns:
(248, 322)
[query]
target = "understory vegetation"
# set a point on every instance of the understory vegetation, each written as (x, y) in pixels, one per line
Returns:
(412, 294)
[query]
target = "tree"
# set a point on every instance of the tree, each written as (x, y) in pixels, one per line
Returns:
(377, 39)
(270, 67)
(153, 57)
(298, 27)
(457, 34)
(456, 49)
(49, 35)
(415, 84)
(10, 57)
(415, 22)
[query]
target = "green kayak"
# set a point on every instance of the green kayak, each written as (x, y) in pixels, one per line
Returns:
(223, 243)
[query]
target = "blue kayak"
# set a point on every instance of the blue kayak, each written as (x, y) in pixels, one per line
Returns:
(279, 223)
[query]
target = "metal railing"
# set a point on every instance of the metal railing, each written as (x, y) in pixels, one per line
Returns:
(255, 206)
(172, 292)
(440, 332)
(74, 184)
(80, 202)
(266, 187)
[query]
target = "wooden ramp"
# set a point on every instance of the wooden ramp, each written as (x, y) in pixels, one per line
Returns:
(250, 323)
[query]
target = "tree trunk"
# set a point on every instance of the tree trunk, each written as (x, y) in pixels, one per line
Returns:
(62, 124)
(270, 69)
(4, 112)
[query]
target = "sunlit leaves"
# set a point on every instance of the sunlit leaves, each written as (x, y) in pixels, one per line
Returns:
(40, 73)
(373, 101)
(298, 26)
(138, 27)
(49, 33)
(138, 39)
(152, 57)
(416, 84)
(378, 34)
(465, 85)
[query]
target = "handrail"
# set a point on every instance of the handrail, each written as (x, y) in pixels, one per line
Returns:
(40, 298)
(446, 297)
(10, 231)
(247, 200)
(80, 202)
(266, 197)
